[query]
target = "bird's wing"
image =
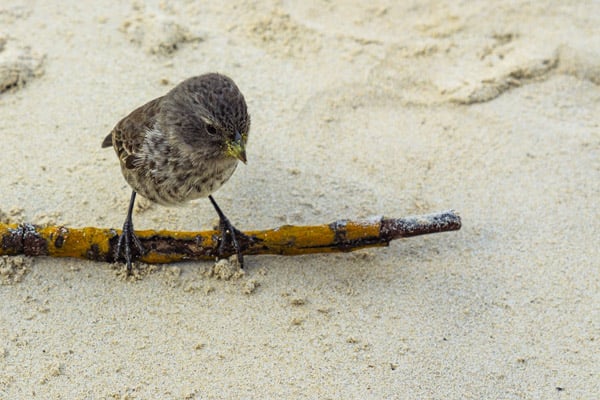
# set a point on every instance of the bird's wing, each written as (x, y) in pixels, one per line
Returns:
(128, 135)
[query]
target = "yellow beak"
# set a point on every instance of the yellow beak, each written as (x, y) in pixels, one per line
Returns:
(237, 149)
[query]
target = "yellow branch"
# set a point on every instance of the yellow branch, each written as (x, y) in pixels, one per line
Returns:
(166, 246)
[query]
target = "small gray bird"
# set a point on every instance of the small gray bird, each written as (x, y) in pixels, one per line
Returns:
(182, 146)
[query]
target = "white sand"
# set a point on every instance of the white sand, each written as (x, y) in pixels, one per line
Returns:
(490, 108)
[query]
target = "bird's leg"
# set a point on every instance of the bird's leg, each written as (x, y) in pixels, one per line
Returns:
(127, 237)
(229, 234)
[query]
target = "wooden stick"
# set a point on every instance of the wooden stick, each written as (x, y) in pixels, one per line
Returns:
(165, 246)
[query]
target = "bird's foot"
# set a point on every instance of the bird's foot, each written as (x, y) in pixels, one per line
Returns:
(124, 249)
(230, 239)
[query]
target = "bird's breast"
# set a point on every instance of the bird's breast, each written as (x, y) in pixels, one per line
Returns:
(169, 178)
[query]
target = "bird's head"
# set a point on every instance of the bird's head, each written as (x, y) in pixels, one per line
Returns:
(213, 117)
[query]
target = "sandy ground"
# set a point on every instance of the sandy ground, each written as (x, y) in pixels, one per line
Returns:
(490, 108)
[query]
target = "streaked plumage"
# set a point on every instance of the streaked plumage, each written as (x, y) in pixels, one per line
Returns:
(183, 145)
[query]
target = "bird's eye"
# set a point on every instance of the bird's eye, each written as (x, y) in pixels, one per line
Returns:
(211, 129)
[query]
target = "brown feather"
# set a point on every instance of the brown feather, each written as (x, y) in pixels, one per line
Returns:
(107, 142)
(129, 133)
(166, 152)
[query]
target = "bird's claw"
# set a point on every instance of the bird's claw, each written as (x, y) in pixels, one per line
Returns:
(123, 250)
(229, 238)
